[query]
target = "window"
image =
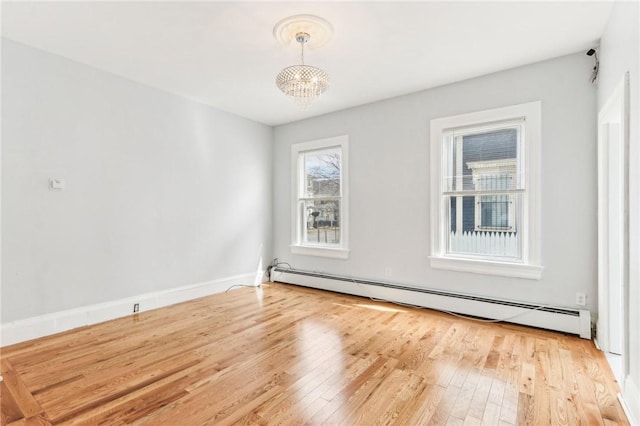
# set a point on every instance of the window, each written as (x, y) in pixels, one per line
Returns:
(319, 209)
(485, 175)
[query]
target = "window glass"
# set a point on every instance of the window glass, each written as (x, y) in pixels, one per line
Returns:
(322, 222)
(322, 173)
(482, 184)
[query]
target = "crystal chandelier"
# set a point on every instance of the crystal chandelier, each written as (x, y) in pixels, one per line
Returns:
(303, 83)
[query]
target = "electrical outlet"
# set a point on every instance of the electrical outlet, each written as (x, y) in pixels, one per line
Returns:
(56, 184)
(136, 307)
(581, 299)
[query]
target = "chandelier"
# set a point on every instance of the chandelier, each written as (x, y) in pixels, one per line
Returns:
(303, 83)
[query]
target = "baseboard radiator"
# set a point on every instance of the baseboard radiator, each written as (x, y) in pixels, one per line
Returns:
(559, 319)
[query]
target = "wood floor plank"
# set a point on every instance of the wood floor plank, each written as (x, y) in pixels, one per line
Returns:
(496, 393)
(10, 412)
(21, 398)
(304, 392)
(468, 388)
(353, 399)
(480, 397)
(491, 415)
(38, 420)
(526, 409)
(542, 396)
(415, 357)
(291, 355)
(383, 394)
(527, 378)
(558, 407)
(579, 407)
(338, 394)
(509, 408)
(442, 413)
(424, 405)
(393, 411)
(507, 368)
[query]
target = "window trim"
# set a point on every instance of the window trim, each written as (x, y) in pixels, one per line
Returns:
(529, 266)
(298, 246)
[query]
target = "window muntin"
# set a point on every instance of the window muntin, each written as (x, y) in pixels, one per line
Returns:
(489, 190)
(319, 212)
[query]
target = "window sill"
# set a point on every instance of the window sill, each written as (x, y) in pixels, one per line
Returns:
(487, 267)
(331, 252)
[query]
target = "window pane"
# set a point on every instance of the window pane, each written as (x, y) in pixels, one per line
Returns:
(494, 211)
(461, 213)
(484, 226)
(490, 158)
(322, 222)
(322, 173)
(485, 160)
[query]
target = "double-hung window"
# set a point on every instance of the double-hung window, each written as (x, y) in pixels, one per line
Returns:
(485, 172)
(319, 207)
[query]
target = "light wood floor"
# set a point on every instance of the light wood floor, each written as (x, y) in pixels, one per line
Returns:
(291, 355)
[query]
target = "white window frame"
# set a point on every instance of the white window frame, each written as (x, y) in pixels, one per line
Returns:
(529, 265)
(298, 216)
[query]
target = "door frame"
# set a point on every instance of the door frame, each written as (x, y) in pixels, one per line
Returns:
(616, 107)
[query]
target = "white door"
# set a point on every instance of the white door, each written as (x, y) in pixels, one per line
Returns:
(612, 220)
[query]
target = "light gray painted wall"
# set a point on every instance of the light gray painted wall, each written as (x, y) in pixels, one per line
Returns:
(160, 191)
(619, 53)
(389, 175)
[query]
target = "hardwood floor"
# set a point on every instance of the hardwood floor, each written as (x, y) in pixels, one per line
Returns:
(290, 355)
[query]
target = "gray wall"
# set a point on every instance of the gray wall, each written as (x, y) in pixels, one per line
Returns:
(160, 191)
(389, 175)
(620, 52)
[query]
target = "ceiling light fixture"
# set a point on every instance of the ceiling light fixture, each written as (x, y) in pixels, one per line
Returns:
(303, 83)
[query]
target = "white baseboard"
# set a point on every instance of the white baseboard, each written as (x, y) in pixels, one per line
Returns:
(578, 322)
(631, 394)
(56, 322)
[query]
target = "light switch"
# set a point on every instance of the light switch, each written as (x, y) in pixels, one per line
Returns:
(56, 184)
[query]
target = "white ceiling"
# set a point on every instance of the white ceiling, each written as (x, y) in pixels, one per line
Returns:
(225, 55)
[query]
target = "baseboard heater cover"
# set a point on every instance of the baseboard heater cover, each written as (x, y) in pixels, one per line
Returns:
(552, 318)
